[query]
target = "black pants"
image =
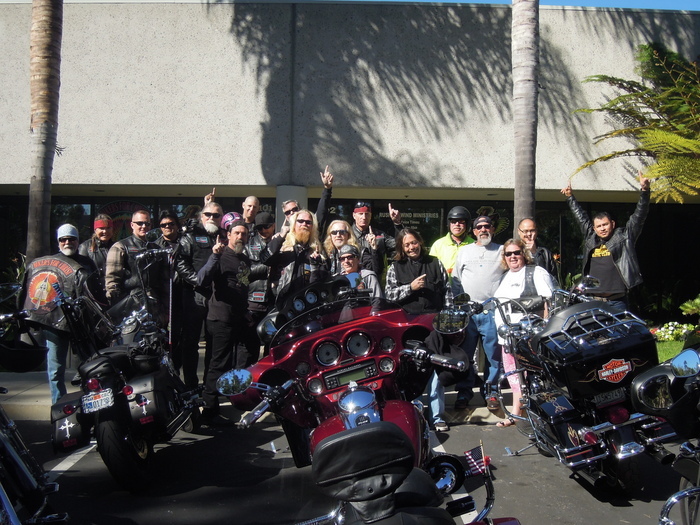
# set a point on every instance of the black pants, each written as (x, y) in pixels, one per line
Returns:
(187, 351)
(226, 354)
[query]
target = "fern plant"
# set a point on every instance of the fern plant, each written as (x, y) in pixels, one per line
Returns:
(660, 116)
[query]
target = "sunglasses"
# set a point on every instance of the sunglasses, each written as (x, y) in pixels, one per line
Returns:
(458, 221)
(168, 225)
(304, 221)
(263, 226)
(291, 210)
(208, 214)
(363, 204)
(339, 232)
(347, 258)
(516, 252)
(483, 227)
(141, 223)
(64, 240)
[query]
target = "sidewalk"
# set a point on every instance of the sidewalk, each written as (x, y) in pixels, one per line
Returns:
(28, 396)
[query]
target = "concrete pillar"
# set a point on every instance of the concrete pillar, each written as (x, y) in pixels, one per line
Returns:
(286, 193)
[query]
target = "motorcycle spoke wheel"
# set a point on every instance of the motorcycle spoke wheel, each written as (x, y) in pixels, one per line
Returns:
(690, 509)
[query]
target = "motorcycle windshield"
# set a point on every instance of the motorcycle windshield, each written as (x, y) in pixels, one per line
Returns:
(331, 314)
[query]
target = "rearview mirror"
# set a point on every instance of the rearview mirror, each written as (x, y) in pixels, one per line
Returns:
(686, 364)
(234, 382)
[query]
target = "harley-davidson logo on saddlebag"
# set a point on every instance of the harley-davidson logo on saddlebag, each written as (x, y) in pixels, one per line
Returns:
(614, 370)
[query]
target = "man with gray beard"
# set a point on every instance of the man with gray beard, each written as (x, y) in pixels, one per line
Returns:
(70, 271)
(478, 272)
(227, 272)
(195, 249)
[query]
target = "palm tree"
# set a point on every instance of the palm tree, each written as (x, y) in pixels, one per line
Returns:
(44, 84)
(525, 40)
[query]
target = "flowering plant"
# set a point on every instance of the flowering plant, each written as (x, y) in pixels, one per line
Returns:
(673, 331)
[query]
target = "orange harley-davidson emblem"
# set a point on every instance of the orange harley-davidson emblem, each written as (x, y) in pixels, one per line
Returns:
(614, 370)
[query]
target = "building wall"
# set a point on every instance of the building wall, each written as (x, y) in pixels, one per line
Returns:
(411, 100)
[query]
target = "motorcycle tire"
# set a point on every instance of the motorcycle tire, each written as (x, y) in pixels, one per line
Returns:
(690, 514)
(126, 456)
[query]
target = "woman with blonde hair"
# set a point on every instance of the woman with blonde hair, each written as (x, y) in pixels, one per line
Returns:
(523, 279)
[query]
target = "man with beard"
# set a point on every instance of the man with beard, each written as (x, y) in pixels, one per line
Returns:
(298, 257)
(478, 272)
(195, 249)
(71, 272)
(609, 253)
(227, 271)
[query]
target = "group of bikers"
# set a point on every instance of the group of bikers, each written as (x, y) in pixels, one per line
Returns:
(227, 271)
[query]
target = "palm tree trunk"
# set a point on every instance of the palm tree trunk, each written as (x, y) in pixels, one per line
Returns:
(44, 84)
(525, 38)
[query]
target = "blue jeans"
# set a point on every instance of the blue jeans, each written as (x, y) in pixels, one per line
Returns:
(436, 393)
(484, 324)
(58, 344)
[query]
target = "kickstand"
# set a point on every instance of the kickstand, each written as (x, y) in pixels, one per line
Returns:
(509, 452)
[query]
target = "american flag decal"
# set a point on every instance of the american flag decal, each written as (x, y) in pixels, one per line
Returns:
(475, 459)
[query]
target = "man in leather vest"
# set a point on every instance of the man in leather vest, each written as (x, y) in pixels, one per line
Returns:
(70, 271)
(609, 253)
(121, 275)
(195, 249)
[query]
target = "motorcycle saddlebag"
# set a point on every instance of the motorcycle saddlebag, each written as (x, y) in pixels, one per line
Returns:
(68, 431)
(148, 403)
(593, 348)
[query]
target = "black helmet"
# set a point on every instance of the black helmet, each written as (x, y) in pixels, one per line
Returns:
(459, 212)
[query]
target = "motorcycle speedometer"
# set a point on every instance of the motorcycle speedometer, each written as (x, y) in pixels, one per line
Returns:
(129, 326)
(358, 344)
(327, 353)
(387, 344)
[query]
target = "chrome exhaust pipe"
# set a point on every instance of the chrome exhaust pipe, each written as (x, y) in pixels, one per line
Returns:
(661, 454)
(596, 478)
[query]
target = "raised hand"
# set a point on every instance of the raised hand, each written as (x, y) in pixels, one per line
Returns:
(371, 239)
(209, 197)
(566, 190)
(394, 215)
(327, 178)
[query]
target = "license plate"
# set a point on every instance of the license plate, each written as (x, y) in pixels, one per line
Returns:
(609, 397)
(95, 402)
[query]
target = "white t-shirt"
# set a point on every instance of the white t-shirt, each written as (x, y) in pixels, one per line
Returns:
(477, 271)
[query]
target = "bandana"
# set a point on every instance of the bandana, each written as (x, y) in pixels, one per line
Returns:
(102, 224)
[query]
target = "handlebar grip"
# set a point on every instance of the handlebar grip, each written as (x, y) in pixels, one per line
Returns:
(448, 362)
(251, 417)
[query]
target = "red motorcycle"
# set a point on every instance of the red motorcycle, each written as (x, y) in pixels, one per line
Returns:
(343, 373)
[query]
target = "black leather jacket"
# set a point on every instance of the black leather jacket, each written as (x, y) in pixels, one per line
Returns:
(622, 242)
(195, 249)
(98, 254)
(260, 297)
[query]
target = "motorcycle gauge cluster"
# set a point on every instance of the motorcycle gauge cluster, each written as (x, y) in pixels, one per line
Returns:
(387, 344)
(327, 353)
(358, 344)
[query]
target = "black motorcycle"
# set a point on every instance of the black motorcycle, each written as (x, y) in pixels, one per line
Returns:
(24, 485)
(672, 391)
(132, 398)
(575, 369)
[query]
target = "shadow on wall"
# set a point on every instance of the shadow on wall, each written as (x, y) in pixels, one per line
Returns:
(438, 68)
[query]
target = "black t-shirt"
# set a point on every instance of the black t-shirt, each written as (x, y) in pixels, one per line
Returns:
(603, 267)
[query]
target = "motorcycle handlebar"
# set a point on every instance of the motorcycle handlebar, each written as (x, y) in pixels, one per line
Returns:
(251, 417)
(421, 354)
